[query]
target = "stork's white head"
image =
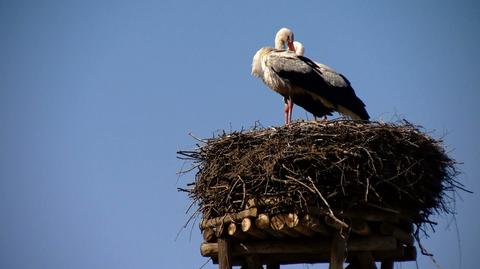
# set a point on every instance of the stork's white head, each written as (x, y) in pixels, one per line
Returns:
(299, 48)
(284, 39)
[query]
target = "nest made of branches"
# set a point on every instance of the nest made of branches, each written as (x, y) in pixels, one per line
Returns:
(338, 165)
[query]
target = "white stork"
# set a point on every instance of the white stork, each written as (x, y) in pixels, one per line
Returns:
(315, 87)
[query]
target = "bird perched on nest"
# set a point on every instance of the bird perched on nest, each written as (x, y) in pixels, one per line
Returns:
(316, 87)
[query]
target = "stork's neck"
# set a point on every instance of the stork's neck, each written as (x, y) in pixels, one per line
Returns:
(280, 44)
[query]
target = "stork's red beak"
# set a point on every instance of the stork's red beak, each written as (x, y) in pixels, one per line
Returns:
(291, 47)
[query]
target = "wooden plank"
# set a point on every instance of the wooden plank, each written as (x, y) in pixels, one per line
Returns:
(224, 254)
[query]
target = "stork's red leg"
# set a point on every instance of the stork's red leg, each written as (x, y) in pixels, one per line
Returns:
(290, 109)
(286, 112)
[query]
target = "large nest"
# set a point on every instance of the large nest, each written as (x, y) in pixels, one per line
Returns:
(339, 165)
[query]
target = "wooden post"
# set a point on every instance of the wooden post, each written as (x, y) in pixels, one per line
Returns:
(365, 260)
(337, 250)
(387, 264)
(273, 266)
(224, 254)
(352, 265)
(253, 262)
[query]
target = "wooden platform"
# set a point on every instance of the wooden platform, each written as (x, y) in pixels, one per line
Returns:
(359, 237)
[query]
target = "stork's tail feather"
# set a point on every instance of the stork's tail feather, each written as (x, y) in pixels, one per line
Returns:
(363, 114)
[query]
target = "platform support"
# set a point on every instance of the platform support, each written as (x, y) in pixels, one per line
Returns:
(224, 261)
(337, 250)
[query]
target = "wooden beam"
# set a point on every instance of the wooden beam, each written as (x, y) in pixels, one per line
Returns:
(208, 235)
(314, 224)
(293, 222)
(278, 223)
(304, 247)
(401, 254)
(360, 227)
(284, 259)
(248, 227)
(298, 258)
(262, 222)
(407, 226)
(399, 234)
(229, 218)
(372, 243)
(236, 232)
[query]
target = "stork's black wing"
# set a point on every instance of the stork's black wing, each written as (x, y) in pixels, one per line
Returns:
(319, 81)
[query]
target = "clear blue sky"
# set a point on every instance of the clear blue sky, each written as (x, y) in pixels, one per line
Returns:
(97, 96)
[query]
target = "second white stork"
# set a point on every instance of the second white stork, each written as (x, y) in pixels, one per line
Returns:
(315, 87)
